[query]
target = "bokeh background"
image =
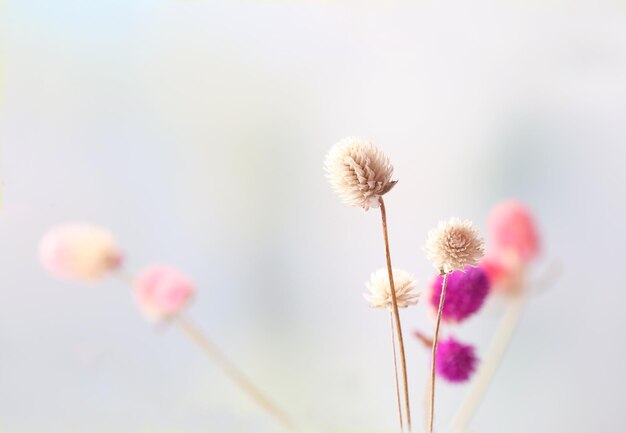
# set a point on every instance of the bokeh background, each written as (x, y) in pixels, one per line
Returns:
(196, 132)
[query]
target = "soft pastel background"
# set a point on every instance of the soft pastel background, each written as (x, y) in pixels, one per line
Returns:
(196, 132)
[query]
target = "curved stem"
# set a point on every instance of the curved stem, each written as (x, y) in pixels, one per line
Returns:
(396, 314)
(442, 298)
(395, 370)
(490, 363)
(198, 337)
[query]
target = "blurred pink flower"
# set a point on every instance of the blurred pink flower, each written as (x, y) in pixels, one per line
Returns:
(505, 272)
(162, 292)
(80, 252)
(512, 229)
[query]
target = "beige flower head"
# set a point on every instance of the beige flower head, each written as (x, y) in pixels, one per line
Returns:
(454, 244)
(358, 172)
(380, 292)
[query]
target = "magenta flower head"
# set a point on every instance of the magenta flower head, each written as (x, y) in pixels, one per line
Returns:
(455, 361)
(162, 292)
(466, 292)
(512, 229)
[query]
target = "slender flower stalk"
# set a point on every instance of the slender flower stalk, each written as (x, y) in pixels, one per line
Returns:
(451, 246)
(395, 370)
(396, 314)
(162, 293)
(433, 359)
(490, 363)
(197, 336)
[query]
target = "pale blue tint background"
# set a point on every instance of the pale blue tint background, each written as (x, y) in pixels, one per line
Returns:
(196, 131)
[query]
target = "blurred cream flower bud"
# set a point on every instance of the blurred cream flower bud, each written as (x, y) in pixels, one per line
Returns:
(80, 252)
(358, 172)
(380, 292)
(453, 245)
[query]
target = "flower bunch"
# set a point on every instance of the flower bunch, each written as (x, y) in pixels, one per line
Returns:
(361, 175)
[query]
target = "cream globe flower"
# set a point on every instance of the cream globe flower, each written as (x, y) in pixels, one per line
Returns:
(358, 172)
(380, 292)
(454, 244)
(81, 252)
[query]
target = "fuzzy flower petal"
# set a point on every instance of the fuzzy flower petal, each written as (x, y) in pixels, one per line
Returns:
(161, 292)
(455, 361)
(80, 252)
(454, 244)
(465, 293)
(512, 228)
(358, 172)
(380, 292)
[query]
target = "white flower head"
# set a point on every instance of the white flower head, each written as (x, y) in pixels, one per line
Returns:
(454, 244)
(380, 292)
(358, 172)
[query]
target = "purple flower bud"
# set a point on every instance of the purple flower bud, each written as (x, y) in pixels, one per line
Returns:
(466, 292)
(455, 361)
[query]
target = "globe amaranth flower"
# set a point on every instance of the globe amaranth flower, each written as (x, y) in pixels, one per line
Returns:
(455, 362)
(161, 292)
(81, 252)
(512, 228)
(465, 293)
(380, 292)
(453, 245)
(358, 172)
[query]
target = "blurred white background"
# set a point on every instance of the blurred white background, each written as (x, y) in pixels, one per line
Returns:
(196, 132)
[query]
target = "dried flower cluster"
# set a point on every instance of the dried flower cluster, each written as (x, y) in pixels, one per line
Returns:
(454, 244)
(380, 292)
(358, 172)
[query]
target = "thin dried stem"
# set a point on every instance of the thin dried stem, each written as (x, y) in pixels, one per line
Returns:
(395, 370)
(490, 363)
(396, 315)
(198, 337)
(431, 414)
(499, 344)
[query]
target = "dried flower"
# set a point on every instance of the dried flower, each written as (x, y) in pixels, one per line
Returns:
(455, 361)
(465, 293)
(79, 252)
(512, 228)
(380, 292)
(358, 172)
(161, 292)
(453, 245)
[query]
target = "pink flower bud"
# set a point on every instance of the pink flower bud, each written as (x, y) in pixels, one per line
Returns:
(162, 292)
(79, 252)
(512, 229)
